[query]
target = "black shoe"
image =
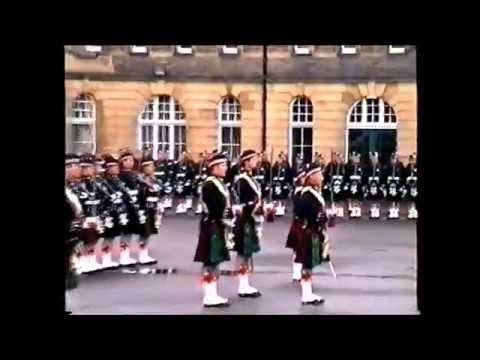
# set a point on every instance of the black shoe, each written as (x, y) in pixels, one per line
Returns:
(221, 305)
(314, 302)
(253, 295)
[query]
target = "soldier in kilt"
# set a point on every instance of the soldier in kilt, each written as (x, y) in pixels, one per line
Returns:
(373, 189)
(116, 224)
(296, 227)
(410, 190)
(150, 212)
(211, 247)
(94, 200)
(73, 211)
(312, 245)
(393, 179)
(72, 178)
(129, 177)
(249, 216)
(353, 186)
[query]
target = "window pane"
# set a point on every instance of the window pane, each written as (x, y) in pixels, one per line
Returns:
(236, 136)
(82, 133)
(307, 136)
(226, 138)
(296, 136)
(307, 154)
(295, 118)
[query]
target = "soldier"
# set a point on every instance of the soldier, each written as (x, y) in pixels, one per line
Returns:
(281, 175)
(117, 222)
(410, 190)
(334, 175)
(150, 212)
(297, 223)
(211, 247)
(246, 232)
(353, 185)
(373, 189)
(182, 187)
(312, 247)
(72, 178)
(262, 175)
(94, 200)
(129, 177)
(393, 179)
(73, 212)
(163, 172)
(200, 177)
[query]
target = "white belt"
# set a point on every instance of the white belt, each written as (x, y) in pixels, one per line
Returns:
(152, 199)
(118, 201)
(133, 192)
(355, 177)
(92, 202)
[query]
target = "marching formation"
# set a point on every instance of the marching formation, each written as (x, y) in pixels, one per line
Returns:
(121, 196)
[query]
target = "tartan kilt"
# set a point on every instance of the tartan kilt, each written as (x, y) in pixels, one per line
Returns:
(133, 226)
(245, 238)
(211, 246)
(89, 236)
(117, 229)
(294, 233)
(309, 248)
(148, 228)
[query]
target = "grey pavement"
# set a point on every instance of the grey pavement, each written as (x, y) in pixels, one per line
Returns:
(375, 262)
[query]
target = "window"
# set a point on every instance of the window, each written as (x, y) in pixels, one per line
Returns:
(229, 120)
(301, 129)
(348, 49)
(135, 49)
(162, 126)
(230, 49)
(395, 49)
(302, 49)
(372, 114)
(93, 48)
(184, 49)
(81, 125)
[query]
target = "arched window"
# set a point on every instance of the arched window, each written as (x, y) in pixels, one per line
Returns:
(162, 126)
(81, 125)
(372, 114)
(371, 126)
(229, 120)
(301, 129)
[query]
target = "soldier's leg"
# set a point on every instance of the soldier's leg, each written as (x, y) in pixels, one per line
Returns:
(107, 248)
(244, 288)
(210, 276)
(144, 257)
(308, 297)
(125, 243)
(296, 269)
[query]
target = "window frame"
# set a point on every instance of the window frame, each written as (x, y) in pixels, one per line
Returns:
(230, 124)
(230, 49)
(138, 50)
(302, 49)
(364, 124)
(91, 121)
(96, 49)
(297, 124)
(348, 49)
(397, 49)
(156, 123)
(184, 50)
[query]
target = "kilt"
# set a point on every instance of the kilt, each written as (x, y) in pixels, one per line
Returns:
(89, 236)
(294, 233)
(309, 248)
(117, 229)
(211, 246)
(148, 228)
(245, 238)
(133, 226)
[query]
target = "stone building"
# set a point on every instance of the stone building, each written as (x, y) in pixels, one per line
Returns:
(290, 98)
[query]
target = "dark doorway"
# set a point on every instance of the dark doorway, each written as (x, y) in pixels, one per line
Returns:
(364, 141)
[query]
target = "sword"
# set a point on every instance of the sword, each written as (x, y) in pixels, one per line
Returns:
(332, 269)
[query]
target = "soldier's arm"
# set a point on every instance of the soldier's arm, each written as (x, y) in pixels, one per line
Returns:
(214, 200)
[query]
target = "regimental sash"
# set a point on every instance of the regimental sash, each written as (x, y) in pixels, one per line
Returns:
(315, 193)
(252, 182)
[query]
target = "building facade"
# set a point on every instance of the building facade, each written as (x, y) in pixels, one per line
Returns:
(196, 98)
